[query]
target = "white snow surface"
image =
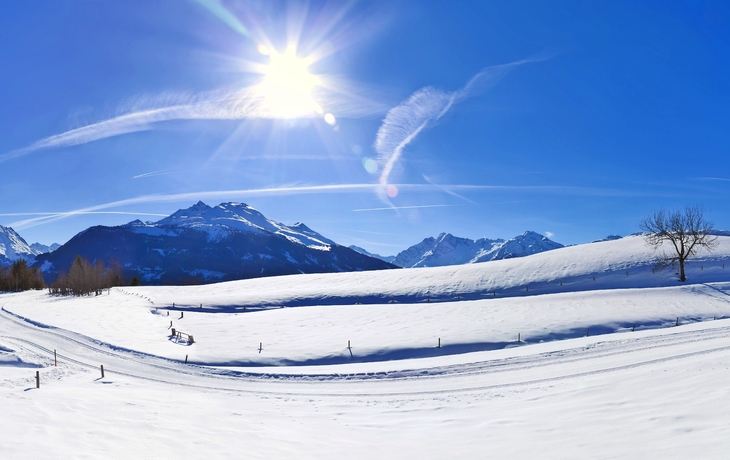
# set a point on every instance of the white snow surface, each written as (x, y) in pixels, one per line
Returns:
(626, 366)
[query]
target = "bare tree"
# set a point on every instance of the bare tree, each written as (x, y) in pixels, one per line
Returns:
(686, 230)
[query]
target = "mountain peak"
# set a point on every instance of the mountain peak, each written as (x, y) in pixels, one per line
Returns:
(13, 247)
(447, 249)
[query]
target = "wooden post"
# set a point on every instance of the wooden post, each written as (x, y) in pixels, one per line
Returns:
(587, 331)
(55, 361)
(173, 332)
(348, 344)
(102, 371)
(201, 305)
(173, 305)
(518, 337)
(633, 328)
(182, 313)
(37, 379)
(186, 359)
(261, 346)
(439, 342)
(677, 323)
(171, 325)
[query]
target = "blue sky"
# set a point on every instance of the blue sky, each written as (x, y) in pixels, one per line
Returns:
(391, 122)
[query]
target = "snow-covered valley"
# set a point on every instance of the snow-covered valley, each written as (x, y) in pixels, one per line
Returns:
(613, 360)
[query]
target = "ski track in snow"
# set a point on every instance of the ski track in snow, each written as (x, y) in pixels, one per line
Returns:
(84, 352)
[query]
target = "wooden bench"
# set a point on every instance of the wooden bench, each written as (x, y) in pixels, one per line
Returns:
(180, 335)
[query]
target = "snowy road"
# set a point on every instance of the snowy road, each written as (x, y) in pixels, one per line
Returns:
(537, 364)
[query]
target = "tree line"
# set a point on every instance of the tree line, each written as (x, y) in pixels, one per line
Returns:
(85, 278)
(20, 277)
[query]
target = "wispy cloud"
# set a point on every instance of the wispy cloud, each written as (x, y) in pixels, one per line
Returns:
(391, 208)
(424, 108)
(314, 189)
(126, 213)
(247, 103)
(722, 179)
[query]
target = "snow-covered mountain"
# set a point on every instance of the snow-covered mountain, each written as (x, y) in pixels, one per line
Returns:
(13, 247)
(205, 244)
(447, 249)
(40, 248)
(388, 259)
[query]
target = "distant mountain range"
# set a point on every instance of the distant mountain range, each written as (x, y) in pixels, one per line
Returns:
(13, 248)
(447, 249)
(203, 244)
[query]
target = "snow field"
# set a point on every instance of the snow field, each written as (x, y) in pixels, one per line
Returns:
(320, 335)
(657, 392)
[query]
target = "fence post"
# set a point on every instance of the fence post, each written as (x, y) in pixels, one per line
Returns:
(102, 371)
(261, 346)
(348, 344)
(633, 328)
(439, 342)
(186, 359)
(677, 323)
(518, 337)
(587, 331)
(55, 361)
(37, 379)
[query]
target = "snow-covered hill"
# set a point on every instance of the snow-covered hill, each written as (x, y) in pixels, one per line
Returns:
(589, 354)
(617, 264)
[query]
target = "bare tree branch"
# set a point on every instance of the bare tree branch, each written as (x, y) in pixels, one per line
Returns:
(687, 230)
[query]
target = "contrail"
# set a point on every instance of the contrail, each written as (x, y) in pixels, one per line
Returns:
(331, 188)
(424, 108)
(247, 103)
(407, 207)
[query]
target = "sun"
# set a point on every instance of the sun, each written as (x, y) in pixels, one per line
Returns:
(288, 85)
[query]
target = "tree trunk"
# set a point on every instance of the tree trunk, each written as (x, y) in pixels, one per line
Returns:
(682, 278)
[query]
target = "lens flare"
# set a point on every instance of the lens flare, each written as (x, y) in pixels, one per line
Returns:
(330, 119)
(391, 190)
(370, 165)
(263, 49)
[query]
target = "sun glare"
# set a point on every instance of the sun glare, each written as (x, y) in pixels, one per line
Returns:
(288, 85)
